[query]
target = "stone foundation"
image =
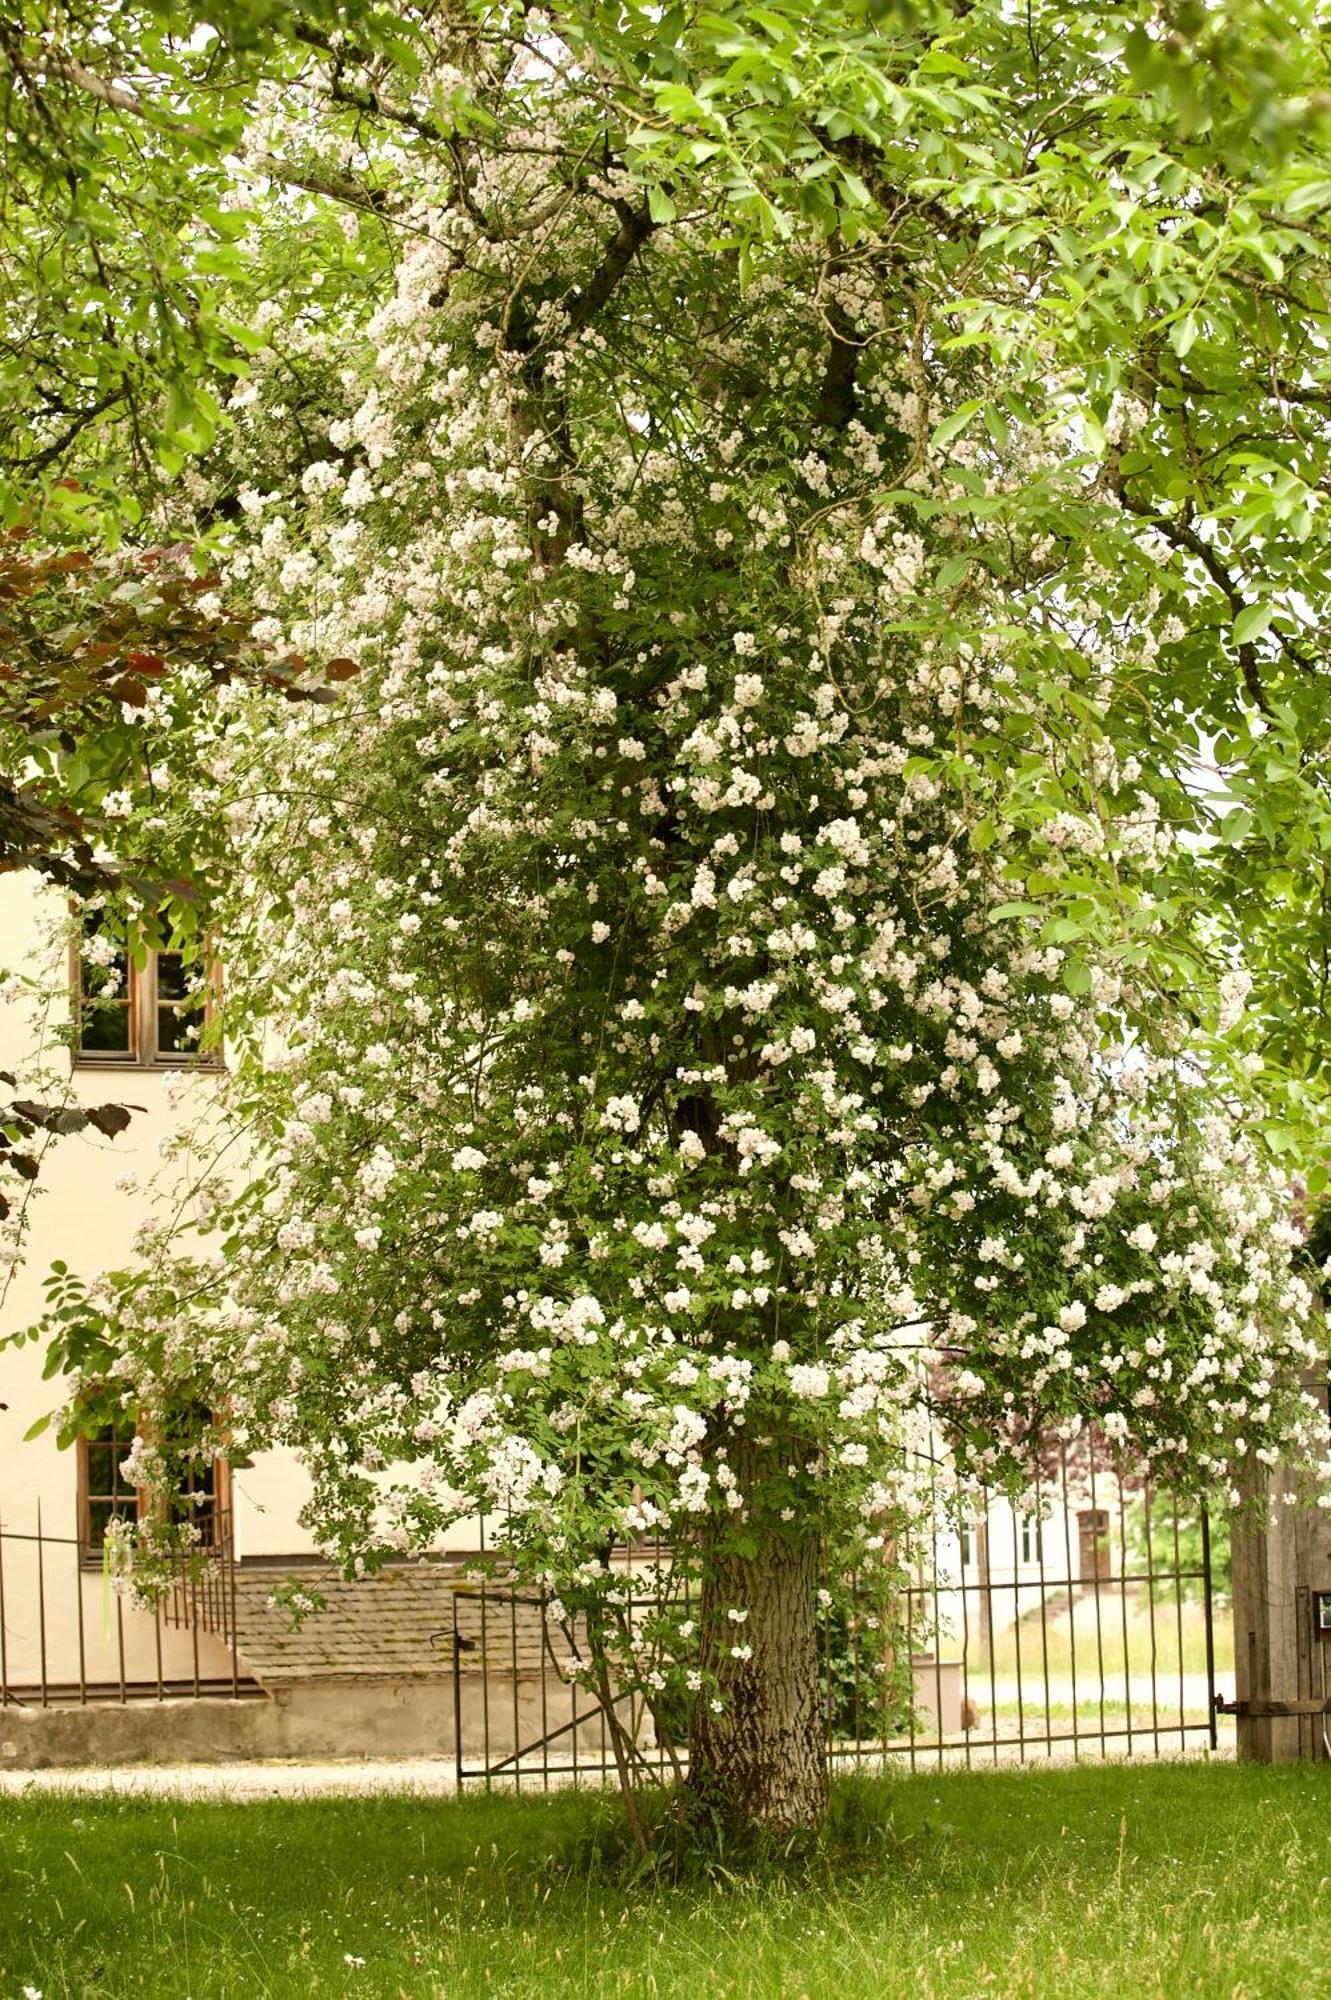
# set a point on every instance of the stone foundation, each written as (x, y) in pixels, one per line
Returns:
(299, 1720)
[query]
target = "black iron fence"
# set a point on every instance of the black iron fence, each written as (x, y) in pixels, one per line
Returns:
(69, 1636)
(1080, 1624)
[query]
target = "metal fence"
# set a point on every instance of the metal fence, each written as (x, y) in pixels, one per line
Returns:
(69, 1637)
(1079, 1625)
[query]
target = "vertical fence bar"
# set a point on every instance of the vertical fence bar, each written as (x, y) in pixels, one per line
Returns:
(856, 1666)
(968, 1707)
(823, 1664)
(459, 1772)
(1044, 1617)
(573, 1703)
(1123, 1600)
(910, 1661)
(513, 1640)
(41, 1603)
(600, 1705)
(233, 1628)
(875, 1721)
(120, 1644)
(4, 1625)
(938, 1660)
(1072, 1600)
(157, 1650)
(1149, 1503)
(1210, 1633)
(194, 1627)
(1016, 1636)
(1097, 1580)
(78, 1599)
(936, 1626)
(547, 1650)
(886, 1661)
(987, 1613)
(692, 1577)
(485, 1666)
(1178, 1620)
(603, 1726)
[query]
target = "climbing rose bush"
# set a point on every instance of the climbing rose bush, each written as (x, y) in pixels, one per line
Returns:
(634, 1052)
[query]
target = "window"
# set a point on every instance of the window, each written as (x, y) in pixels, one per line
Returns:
(968, 1548)
(105, 1495)
(150, 1015)
(200, 1494)
(1032, 1538)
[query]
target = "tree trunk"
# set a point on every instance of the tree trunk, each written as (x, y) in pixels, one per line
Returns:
(760, 1762)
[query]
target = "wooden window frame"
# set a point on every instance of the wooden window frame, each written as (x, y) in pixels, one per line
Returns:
(143, 1051)
(91, 1552)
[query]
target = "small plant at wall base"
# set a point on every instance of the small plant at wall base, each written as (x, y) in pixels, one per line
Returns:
(721, 1050)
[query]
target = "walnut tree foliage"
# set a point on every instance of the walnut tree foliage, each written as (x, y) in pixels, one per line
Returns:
(1129, 205)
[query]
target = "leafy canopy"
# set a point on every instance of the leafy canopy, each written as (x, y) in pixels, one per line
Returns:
(1123, 210)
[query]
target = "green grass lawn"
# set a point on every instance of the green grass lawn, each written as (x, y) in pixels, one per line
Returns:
(1146, 1883)
(1162, 1637)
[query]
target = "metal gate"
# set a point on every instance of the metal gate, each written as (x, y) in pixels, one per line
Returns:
(1079, 1625)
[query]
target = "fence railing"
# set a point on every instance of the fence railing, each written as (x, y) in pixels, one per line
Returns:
(1080, 1625)
(69, 1637)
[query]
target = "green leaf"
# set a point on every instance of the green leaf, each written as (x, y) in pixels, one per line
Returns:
(1183, 334)
(1309, 197)
(1251, 622)
(954, 425)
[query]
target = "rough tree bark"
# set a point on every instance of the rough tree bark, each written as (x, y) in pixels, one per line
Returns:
(759, 1763)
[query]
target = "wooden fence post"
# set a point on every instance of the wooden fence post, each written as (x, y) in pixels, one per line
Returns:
(1281, 1564)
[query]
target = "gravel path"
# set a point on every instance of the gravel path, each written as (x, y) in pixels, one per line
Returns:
(424, 1776)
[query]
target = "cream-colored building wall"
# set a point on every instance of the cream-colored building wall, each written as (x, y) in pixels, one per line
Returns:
(80, 1215)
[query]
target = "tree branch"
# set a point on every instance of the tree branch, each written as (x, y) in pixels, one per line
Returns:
(79, 422)
(1185, 538)
(314, 180)
(635, 226)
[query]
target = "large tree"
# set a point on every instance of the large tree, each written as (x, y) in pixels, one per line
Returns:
(718, 1010)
